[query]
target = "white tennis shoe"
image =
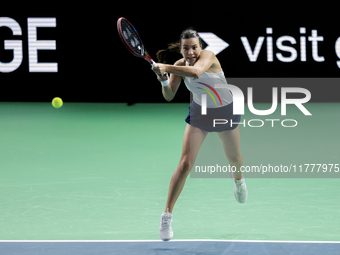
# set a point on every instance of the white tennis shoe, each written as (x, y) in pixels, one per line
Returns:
(240, 190)
(165, 231)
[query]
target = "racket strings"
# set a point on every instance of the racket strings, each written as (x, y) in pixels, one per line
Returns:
(131, 37)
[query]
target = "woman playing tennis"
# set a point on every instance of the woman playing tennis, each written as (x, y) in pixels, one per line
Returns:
(195, 66)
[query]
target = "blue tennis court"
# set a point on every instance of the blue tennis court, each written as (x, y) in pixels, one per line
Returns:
(178, 247)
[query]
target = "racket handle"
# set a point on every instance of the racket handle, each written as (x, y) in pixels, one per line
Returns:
(164, 83)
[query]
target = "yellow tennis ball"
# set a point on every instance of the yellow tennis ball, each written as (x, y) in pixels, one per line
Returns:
(57, 102)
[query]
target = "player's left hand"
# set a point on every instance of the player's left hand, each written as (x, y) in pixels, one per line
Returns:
(159, 68)
(162, 77)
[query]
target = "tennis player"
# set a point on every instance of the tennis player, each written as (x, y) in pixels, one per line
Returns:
(195, 65)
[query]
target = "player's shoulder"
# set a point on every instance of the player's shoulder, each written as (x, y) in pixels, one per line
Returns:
(208, 53)
(180, 62)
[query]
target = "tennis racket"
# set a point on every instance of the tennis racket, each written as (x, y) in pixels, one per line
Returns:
(130, 38)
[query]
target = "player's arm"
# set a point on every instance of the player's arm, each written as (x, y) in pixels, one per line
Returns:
(205, 61)
(169, 91)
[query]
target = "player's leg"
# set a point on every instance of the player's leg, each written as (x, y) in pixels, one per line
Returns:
(231, 145)
(192, 141)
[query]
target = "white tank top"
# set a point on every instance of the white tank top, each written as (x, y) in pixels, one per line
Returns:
(206, 84)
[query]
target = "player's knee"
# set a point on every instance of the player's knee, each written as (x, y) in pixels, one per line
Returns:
(185, 165)
(235, 158)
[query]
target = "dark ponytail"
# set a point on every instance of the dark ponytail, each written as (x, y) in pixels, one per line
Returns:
(172, 47)
(176, 47)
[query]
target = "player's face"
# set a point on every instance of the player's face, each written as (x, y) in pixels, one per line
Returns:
(191, 49)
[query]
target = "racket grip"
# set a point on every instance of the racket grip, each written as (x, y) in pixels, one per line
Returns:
(164, 83)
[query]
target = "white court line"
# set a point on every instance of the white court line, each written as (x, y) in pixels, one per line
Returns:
(179, 240)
